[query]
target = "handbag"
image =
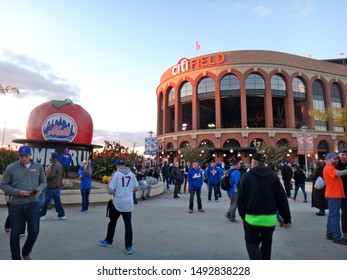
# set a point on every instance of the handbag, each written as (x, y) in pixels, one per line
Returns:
(319, 184)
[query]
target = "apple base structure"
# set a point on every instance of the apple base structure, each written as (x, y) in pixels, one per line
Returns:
(228, 103)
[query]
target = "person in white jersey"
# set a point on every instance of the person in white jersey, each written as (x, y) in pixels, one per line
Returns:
(121, 186)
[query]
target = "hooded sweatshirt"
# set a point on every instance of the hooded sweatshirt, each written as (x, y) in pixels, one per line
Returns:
(261, 194)
(123, 183)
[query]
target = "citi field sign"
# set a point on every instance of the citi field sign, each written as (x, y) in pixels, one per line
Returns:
(185, 64)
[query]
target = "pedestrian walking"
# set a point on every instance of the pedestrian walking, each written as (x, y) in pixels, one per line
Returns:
(261, 195)
(23, 181)
(122, 185)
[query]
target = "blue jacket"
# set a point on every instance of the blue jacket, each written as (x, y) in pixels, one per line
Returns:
(234, 175)
(65, 159)
(212, 175)
(195, 179)
(86, 181)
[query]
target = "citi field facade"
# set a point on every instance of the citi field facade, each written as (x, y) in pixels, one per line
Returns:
(229, 102)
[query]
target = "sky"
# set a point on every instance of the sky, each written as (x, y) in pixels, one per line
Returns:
(108, 56)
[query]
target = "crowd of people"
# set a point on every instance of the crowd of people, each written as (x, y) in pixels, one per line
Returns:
(257, 193)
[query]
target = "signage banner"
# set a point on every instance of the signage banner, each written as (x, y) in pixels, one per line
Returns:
(151, 146)
(308, 144)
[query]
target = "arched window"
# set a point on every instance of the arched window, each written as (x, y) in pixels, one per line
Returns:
(206, 88)
(169, 146)
(319, 104)
(299, 89)
(229, 85)
(255, 84)
(206, 144)
(336, 103)
(186, 92)
(171, 99)
(184, 145)
(231, 143)
(278, 86)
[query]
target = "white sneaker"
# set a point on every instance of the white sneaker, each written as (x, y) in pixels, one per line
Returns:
(42, 218)
(61, 218)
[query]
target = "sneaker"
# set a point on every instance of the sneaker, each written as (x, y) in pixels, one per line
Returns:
(61, 218)
(128, 250)
(190, 211)
(27, 257)
(201, 210)
(340, 241)
(305, 201)
(42, 218)
(105, 243)
(329, 237)
(84, 211)
(22, 236)
(7, 230)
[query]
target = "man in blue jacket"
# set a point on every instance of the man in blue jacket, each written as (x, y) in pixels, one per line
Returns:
(213, 178)
(66, 161)
(195, 182)
(234, 175)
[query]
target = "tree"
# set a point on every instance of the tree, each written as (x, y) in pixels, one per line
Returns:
(8, 89)
(273, 154)
(103, 162)
(195, 154)
(336, 115)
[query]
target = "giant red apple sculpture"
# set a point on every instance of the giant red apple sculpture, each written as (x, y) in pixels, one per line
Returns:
(60, 120)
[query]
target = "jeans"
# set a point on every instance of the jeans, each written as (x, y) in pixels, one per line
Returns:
(20, 214)
(198, 197)
(233, 205)
(302, 187)
(215, 191)
(111, 228)
(166, 179)
(177, 187)
(256, 235)
(344, 215)
(143, 189)
(333, 224)
(85, 199)
(55, 195)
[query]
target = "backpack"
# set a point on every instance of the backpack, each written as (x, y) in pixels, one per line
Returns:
(225, 184)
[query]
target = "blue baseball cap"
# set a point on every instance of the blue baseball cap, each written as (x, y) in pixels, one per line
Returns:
(24, 150)
(55, 155)
(331, 155)
(119, 162)
(343, 151)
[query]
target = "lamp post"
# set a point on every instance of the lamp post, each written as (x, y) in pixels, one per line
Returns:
(304, 129)
(150, 147)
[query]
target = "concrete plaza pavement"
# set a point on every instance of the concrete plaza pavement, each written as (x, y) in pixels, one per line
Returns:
(164, 230)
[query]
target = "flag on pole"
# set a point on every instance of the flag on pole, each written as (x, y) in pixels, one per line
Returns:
(197, 46)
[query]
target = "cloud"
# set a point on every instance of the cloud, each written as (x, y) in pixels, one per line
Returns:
(261, 11)
(125, 138)
(34, 78)
(299, 8)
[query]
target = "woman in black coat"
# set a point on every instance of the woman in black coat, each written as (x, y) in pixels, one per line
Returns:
(318, 196)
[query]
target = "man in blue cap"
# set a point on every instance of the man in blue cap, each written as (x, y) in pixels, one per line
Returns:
(23, 181)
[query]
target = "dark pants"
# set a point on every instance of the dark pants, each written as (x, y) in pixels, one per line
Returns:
(198, 198)
(85, 199)
(66, 171)
(256, 235)
(111, 228)
(287, 187)
(177, 187)
(20, 214)
(55, 195)
(215, 191)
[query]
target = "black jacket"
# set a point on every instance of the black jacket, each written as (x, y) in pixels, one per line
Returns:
(261, 193)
